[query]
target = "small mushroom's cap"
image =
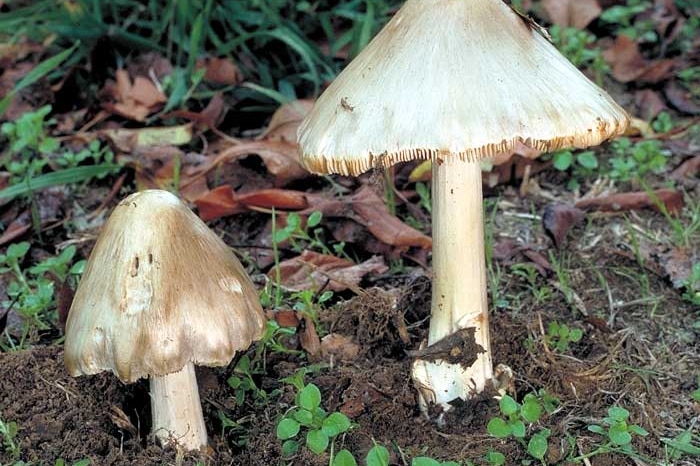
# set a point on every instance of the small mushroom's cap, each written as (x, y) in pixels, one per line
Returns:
(160, 290)
(466, 78)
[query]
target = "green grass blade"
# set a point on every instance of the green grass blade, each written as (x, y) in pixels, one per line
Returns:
(41, 70)
(61, 177)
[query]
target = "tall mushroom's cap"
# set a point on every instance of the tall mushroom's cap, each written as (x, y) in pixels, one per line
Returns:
(463, 77)
(160, 290)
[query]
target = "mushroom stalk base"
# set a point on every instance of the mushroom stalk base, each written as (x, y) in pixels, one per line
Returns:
(177, 411)
(459, 283)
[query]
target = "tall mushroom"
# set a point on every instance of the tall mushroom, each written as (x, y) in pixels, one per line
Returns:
(455, 81)
(161, 292)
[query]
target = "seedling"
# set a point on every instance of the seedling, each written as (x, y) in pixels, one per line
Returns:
(320, 427)
(495, 458)
(579, 47)
(583, 164)
(634, 161)
(617, 433)
(515, 415)
(560, 336)
(528, 272)
(243, 384)
(683, 444)
(8, 432)
(31, 294)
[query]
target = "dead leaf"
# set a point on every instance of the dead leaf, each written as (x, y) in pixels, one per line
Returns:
(285, 318)
(628, 64)
(121, 420)
(681, 98)
(687, 169)
(372, 212)
(156, 167)
(340, 347)
(133, 100)
(558, 219)
(308, 337)
(217, 203)
(210, 117)
(128, 140)
(670, 198)
(286, 120)
(314, 271)
(649, 103)
(224, 201)
(280, 158)
(221, 71)
(576, 13)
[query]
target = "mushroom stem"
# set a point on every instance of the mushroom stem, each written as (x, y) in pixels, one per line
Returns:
(176, 409)
(459, 282)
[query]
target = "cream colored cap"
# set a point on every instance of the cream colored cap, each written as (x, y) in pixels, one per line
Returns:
(464, 78)
(160, 290)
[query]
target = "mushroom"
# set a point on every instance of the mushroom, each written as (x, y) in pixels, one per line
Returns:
(456, 82)
(161, 292)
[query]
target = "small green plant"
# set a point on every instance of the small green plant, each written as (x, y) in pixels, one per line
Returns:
(695, 395)
(515, 415)
(31, 294)
(8, 432)
(83, 462)
(495, 458)
(683, 444)
(582, 165)
(560, 336)
(243, 383)
(27, 136)
(691, 291)
(320, 427)
(303, 236)
(425, 461)
(623, 17)
(662, 123)
(579, 47)
(617, 433)
(634, 161)
(528, 272)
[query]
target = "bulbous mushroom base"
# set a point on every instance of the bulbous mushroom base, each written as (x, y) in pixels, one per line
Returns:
(177, 410)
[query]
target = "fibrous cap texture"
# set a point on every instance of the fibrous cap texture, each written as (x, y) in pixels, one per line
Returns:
(454, 78)
(160, 290)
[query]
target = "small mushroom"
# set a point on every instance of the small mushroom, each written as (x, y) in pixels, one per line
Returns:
(161, 292)
(456, 82)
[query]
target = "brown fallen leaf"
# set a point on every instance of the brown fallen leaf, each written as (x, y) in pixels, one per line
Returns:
(689, 168)
(281, 159)
(372, 212)
(558, 219)
(135, 99)
(340, 347)
(314, 271)
(217, 203)
(649, 103)
(681, 98)
(285, 318)
(159, 167)
(224, 201)
(221, 71)
(308, 337)
(576, 13)
(628, 64)
(286, 120)
(210, 117)
(670, 198)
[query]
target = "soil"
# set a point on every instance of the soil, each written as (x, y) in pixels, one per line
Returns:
(628, 357)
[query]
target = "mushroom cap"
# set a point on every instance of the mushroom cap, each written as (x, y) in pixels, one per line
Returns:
(160, 290)
(460, 78)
